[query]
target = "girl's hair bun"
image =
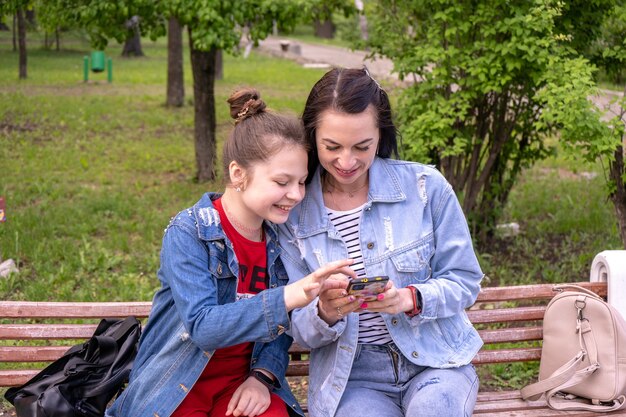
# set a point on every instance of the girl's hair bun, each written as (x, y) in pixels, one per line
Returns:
(244, 103)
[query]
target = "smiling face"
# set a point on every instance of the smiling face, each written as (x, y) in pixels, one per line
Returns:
(346, 146)
(274, 186)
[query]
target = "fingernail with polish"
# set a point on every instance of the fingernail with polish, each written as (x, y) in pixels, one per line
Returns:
(351, 298)
(381, 296)
(364, 305)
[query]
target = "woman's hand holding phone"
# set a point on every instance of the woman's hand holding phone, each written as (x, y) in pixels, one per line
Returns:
(391, 301)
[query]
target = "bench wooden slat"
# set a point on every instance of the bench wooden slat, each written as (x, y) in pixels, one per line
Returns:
(499, 315)
(63, 310)
(296, 348)
(16, 377)
(507, 355)
(510, 403)
(31, 353)
(298, 368)
(532, 292)
(507, 405)
(516, 334)
(46, 331)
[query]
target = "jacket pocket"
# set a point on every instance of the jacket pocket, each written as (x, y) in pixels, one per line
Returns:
(412, 263)
(452, 330)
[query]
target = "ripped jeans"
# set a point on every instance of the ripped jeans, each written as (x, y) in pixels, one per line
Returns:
(383, 383)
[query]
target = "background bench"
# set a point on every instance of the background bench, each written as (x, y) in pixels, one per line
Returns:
(508, 319)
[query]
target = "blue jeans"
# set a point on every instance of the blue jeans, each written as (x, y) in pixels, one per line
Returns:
(383, 383)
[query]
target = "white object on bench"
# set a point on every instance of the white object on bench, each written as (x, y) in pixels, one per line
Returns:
(610, 266)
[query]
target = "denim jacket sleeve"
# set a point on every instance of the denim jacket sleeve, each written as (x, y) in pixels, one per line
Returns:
(307, 327)
(454, 267)
(187, 269)
(273, 357)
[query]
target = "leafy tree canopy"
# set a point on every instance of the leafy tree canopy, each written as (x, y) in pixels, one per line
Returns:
(494, 81)
(220, 24)
(104, 19)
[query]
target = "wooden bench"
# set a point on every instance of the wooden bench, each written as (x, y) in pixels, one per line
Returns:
(508, 319)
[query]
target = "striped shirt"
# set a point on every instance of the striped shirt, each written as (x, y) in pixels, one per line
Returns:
(372, 327)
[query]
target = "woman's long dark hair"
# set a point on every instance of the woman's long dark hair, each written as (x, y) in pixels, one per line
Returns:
(349, 90)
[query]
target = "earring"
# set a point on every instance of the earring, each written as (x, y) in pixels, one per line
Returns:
(238, 189)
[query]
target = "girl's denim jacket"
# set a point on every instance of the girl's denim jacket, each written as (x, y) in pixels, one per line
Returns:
(194, 313)
(413, 230)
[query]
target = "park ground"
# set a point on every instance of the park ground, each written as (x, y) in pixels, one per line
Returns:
(93, 171)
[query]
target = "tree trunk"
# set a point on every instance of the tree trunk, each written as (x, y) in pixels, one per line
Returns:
(57, 39)
(175, 73)
(203, 68)
(219, 65)
(132, 45)
(617, 170)
(325, 29)
(21, 37)
(14, 32)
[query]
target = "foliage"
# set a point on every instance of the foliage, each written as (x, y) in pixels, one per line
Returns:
(494, 81)
(581, 21)
(9, 7)
(103, 20)
(609, 49)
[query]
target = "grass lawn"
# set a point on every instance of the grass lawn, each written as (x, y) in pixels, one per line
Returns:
(92, 172)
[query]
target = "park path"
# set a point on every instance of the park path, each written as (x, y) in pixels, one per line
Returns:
(320, 55)
(380, 68)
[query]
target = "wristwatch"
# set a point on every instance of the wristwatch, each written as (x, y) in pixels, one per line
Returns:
(264, 379)
(417, 302)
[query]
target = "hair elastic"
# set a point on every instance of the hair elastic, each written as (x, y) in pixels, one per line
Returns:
(372, 78)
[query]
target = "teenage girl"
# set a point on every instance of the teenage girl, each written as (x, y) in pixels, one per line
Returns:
(215, 342)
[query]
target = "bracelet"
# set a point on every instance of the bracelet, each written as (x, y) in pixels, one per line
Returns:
(417, 302)
(262, 378)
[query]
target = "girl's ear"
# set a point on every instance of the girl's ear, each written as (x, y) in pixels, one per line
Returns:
(237, 174)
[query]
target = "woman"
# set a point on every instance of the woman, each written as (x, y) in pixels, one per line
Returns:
(215, 341)
(408, 352)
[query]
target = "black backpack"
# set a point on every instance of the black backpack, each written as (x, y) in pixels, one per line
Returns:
(84, 380)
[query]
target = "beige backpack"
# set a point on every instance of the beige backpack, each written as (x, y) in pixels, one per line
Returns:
(583, 357)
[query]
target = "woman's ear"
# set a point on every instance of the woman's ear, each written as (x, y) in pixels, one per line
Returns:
(237, 175)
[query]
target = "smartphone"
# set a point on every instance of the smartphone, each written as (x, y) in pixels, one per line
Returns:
(367, 288)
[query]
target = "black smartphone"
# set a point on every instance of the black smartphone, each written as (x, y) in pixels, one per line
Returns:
(368, 287)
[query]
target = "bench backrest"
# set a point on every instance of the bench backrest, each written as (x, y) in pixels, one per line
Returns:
(35, 333)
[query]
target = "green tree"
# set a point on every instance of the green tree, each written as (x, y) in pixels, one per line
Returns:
(494, 81)
(608, 51)
(214, 26)
(582, 21)
(175, 96)
(103, 20)
(19, 8)
(607, 144)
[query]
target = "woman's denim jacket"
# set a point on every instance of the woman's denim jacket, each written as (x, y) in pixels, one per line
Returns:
(198, 273)
(413, 230)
